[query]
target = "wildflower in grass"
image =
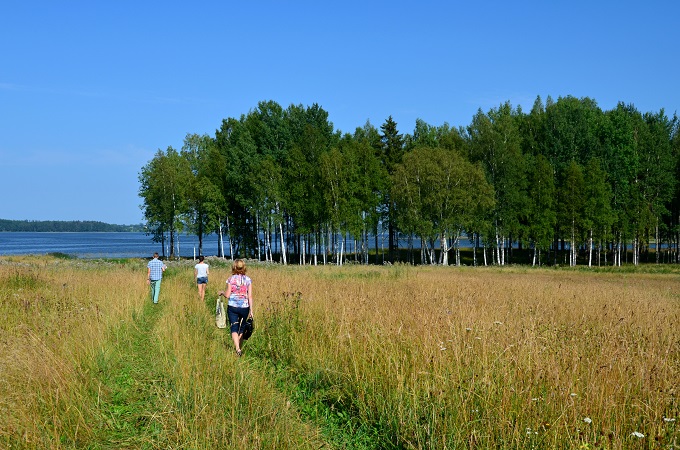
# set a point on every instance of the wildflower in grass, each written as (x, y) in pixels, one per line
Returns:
(468, 329)
(587, 420)
(668, 419)
(637, 434)
(573, 394)
(498, 323)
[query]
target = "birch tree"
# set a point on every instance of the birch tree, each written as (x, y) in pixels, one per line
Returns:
(656, 175)
(542, 214)
(163, 188)
(570, 209)
(439, 194)
(598, 215)
(204, 198)
(494, 141)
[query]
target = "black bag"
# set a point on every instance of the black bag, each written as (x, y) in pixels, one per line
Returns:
(248, 327)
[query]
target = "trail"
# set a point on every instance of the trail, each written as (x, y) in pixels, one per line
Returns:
(131, 385)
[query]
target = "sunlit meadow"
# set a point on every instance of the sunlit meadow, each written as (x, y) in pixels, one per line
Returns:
(342, 357)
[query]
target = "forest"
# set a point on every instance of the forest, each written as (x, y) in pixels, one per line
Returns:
(566, 183)
(70, 226)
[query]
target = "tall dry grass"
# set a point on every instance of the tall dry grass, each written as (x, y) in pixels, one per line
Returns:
(351, 357)
(479, 358)
(56, 316)
(87, 362)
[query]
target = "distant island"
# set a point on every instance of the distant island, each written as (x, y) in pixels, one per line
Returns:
(74, 226)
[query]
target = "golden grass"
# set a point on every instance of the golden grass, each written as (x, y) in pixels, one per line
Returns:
(422, 357)
(493, 357)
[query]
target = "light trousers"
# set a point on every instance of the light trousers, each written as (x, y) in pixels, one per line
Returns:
(155, 290)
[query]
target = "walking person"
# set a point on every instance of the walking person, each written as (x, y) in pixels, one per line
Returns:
(201, 272)
(156, 267)
(239, 293)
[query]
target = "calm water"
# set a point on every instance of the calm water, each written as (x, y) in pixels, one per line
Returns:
(98, 245)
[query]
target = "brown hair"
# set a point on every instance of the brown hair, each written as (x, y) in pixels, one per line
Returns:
(239, 267)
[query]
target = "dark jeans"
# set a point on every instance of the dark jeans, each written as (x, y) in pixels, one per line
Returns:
(236, 317)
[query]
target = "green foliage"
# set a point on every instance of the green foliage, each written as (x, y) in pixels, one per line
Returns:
(439, 194)
(164, 187)
(566, 171)
(542, 196)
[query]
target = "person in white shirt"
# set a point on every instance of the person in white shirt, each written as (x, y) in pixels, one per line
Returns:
(201, 271)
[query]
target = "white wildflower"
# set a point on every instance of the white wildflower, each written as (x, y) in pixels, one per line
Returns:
(587, 420)
(637, 434)
(668, 419)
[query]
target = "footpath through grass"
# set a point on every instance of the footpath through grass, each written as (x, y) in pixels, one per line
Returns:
(88, 362)
(132, 385)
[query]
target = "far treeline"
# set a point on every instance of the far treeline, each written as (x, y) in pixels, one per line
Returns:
(64, 226)
(566, 183)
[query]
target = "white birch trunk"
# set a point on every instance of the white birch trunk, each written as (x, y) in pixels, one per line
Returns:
(444, 245)
(221, 241)
(267, 248)
(497, 257)
(456, 245)
(301, 262)
(572, 253)
(283, 245)
(257, 232)
(341, 249)
(656, 240)
(474, 250)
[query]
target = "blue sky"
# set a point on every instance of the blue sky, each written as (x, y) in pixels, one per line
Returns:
(89, 91)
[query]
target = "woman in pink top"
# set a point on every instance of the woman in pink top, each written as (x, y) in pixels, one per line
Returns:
(239, 293)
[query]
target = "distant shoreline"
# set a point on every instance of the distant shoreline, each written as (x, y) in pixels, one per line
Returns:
(74, 226)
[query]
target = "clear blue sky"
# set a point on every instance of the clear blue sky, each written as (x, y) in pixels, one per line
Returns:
(90, 90)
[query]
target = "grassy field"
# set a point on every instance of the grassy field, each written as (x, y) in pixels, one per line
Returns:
(349, 357)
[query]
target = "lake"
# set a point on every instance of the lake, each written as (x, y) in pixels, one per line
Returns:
(98, 245)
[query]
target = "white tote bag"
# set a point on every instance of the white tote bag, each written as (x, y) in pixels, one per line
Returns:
(220, 314)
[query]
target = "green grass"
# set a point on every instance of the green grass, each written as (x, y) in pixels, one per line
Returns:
(131, 385)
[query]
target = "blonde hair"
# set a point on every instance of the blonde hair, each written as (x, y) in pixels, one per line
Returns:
(239, 267)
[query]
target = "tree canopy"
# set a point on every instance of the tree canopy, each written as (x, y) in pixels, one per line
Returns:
(568, 181)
